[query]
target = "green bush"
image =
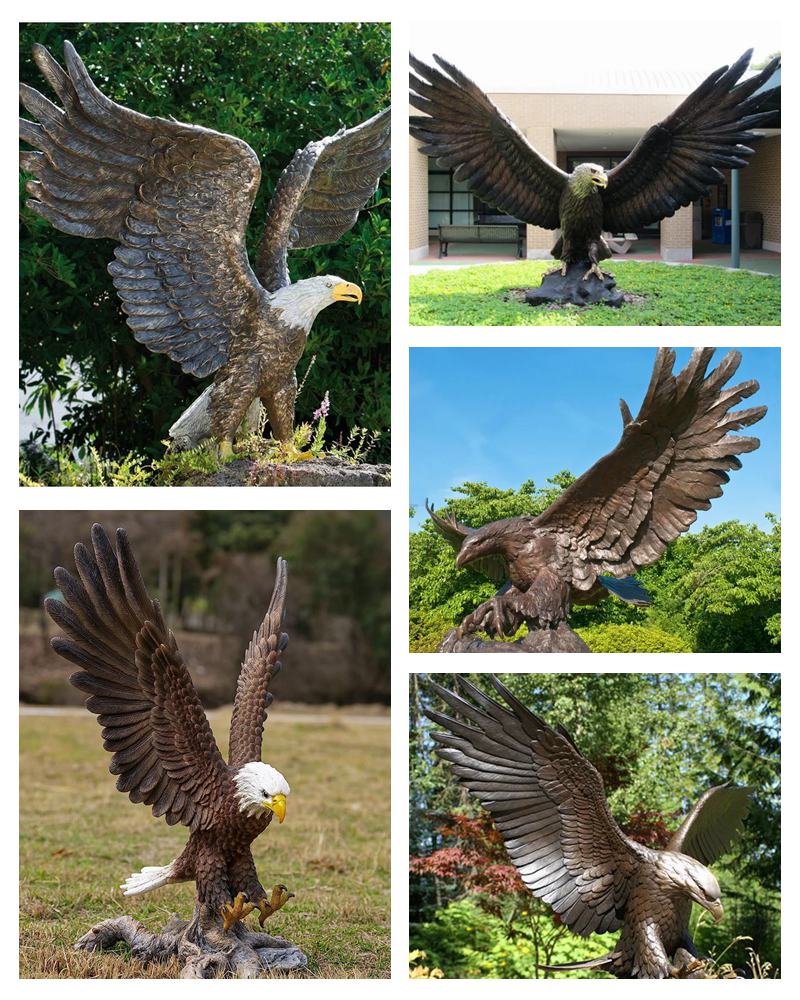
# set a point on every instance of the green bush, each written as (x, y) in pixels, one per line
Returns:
(277, 86)
(632, 639)
(465, 942)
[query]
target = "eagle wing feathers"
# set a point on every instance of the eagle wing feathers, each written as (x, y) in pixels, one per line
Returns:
(320, 193)
(164, 752)
(260, 665)
(671, 461)
(175, 197)
(714, 823)
(463, 129)
(676, 161)
(548, 803)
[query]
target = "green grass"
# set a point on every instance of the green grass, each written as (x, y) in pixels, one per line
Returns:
(673, 296)
(79, 838)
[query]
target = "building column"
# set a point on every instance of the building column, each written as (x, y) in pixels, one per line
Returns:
(417, 202)
(676, 236)
(541, 241)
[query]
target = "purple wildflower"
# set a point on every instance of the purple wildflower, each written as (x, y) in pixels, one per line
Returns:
(324, 407)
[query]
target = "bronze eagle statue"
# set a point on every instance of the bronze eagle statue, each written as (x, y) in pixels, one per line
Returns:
(673, 458)
(176, 198)
(548, 803)
(672, 165)
(164, 752)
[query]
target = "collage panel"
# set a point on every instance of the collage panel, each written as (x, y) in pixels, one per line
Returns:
(267, 852)
(205, 247)
(595, 825)
(524, 539)
(562, 191)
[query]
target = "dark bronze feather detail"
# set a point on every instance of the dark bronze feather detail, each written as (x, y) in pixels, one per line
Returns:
(548, 803)
(176, 198)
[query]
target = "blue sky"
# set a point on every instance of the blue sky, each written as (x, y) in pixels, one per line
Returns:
(504, 415)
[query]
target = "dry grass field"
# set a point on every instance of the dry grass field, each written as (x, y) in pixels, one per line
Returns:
(80, 838)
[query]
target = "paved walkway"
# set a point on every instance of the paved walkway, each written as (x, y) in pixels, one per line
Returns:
(708, 255)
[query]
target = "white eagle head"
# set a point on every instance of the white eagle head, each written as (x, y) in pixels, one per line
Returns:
(299, 304)
(261, 788)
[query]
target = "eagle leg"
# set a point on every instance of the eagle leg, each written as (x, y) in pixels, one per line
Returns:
(232, 913)
(597, 271)
(559, 269)
(280, 896)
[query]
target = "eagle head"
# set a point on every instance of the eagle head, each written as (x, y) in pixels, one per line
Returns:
(486, 541)
(694, 879)
(587, 176)
(260, 789)
(299, 304)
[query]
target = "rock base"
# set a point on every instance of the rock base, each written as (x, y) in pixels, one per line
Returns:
(206, 950)
(546, 640)
(313, 472)
(571, 289)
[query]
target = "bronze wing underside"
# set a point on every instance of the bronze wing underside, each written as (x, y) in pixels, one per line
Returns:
(463, 129)
(547, 801)
(671, 461)
(175, 197)
(321, 192)
(139, 688)
(714, 823)
(676, 161)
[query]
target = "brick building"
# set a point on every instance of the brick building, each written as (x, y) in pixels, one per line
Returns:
(600, 126)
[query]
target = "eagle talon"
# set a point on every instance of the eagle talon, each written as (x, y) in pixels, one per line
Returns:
(561, 269)
(279, 898)
(597, 272)
(233, 912)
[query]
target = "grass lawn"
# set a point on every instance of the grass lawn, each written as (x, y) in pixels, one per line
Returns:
(673, 296)
(80, 838)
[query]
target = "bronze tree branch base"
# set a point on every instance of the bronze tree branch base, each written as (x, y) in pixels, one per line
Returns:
(205, 948)
(576, 287)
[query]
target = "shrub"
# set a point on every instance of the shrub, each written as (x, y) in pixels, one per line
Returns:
(631, 639)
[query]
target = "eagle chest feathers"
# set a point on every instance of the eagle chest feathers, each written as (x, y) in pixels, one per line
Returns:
(581, 216)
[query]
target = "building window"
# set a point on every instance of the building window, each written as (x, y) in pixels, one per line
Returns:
(449, 200)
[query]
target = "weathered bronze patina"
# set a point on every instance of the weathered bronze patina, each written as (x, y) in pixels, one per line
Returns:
(671, 461)
(177, 199)
(549, 805)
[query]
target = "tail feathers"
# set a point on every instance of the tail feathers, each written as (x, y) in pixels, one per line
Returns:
(591, 963)
(152, 877)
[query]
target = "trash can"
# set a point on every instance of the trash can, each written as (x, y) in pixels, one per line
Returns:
(751, 230)
(721, 225)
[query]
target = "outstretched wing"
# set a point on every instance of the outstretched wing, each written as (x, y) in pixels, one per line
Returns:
(714, 823)
(676, 161)
(671, 461)
(140, 690)
(548, 803)
(321, 192)
(260, 665)
(454, 532)
(175, 197)
(463, 129)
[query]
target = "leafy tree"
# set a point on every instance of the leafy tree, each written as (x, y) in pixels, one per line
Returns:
(277, 86)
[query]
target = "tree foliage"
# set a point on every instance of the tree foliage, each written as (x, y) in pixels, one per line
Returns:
(658, 741)
(277, 86)
(713, 590)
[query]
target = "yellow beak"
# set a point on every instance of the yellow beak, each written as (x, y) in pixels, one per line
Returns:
(277, 803)
(601, 180)
(347, 292)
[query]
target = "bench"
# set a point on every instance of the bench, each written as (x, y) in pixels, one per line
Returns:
(620, 242)
(481, 234)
